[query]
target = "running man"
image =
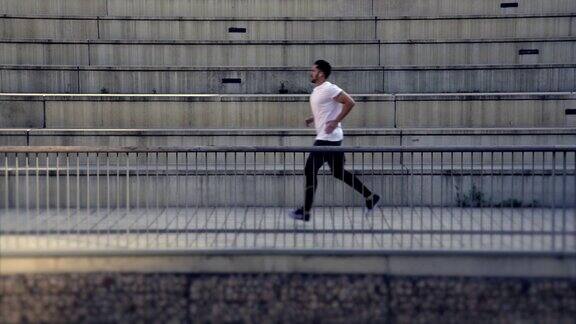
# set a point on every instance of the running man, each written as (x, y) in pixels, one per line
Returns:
(330, 105)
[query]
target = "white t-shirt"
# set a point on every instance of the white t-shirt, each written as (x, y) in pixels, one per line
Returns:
(325, 109)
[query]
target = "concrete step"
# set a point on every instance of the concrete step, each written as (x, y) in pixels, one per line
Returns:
(288, 54)
(344, 28)
(504, 110)
(285, 137)
(282, 8)
(271, 80)
(280, 185)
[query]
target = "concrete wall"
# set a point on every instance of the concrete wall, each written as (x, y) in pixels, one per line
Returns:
(253, 80)
(479, 79)
(217, 187)
(352, 53)
(56, 29)
(41, 80)
(192, 8)
(25, 53)
(59, 7)
(477, 27)
(11, 137)
(22, 113)
(525, 78)
(126, 54)
(394, 8)
(280, 8)
(509, 113)
(263, 112)
(289, 29)
(475, 53)
(201, 115)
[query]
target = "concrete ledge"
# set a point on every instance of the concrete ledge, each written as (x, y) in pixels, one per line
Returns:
(168, 18)
(285, 68)
(285, 97)
(284, 42)
(398, 264)
(289, 132)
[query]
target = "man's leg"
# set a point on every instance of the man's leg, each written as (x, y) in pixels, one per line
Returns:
(313, 164)
(336, 162)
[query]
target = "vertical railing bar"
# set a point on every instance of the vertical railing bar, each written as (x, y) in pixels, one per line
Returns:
(68, 216)
(200, 201)
(235, 198)
(451, 199)
(512, 218)
(97, 195)
(27, 195)
(166, 196)
(108, 204)
(564, 207)
(147, 200)
(178, 199)
(352, 221)
(421, 199)
(441, 200)
(534, 205)
(411, 200)
(246, 205)
(554, 201)
(37, 225)
(522, 214)
(156, 219)
(501, 204)
(432, 204)
(117, 211)
(482, 206)
(138, 193)
(186, 197)
(272, 205)
(363, 225)
(77, 226)
(254, 241)
(206, 183)
(544, 195)
(128, 198)
(471, 236)
(226, 205)
(491, 230)
(88, 200)
(461, 174)
(373, 215)
(391, 192)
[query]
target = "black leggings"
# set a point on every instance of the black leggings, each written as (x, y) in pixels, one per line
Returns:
(336, 162)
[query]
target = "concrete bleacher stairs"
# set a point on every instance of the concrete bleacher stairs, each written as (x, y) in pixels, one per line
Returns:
(235, 72)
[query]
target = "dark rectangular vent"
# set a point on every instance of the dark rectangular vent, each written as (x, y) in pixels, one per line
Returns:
(236, 30)
(509, 5)
(570, 111)
(528, 52)
(231, 80)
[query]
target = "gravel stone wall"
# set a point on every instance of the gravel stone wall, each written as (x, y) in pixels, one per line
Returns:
(282, 298)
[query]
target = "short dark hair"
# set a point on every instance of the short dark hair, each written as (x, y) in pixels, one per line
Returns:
(324, 67)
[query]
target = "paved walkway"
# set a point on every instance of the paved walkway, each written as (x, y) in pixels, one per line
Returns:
(446, 229)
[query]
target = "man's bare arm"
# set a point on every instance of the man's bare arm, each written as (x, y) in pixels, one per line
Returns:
(348, 103)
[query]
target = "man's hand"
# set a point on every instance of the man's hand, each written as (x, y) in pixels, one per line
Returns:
(309, 120)
(331, 126)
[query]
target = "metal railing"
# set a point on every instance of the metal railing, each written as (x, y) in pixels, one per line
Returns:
(451, 199)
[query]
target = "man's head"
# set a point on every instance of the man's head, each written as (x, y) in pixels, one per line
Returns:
(320, 71)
